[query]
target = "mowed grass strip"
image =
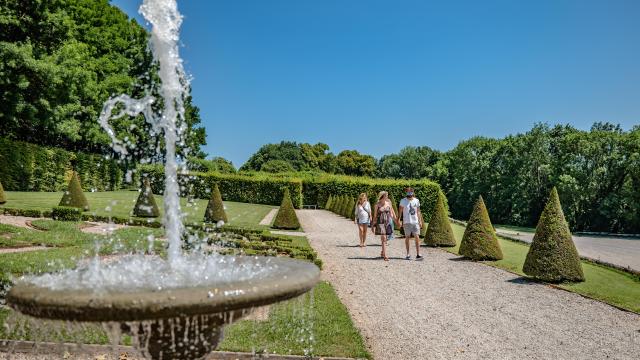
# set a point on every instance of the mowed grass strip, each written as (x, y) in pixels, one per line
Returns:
(602, 283)
(316, 323)
(120, 203)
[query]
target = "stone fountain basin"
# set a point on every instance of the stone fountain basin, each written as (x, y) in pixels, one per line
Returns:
(289, 278)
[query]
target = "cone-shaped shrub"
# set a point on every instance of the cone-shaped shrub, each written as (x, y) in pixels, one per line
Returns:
(3, 198)
(352, 211)
(479, 241)
(439, 232)
(73, 196)
(215, 207)
(552, 256)
(286, 217)
(327, 205)
(348, 208)
(334, 205)
(394, 204)
(343, 203)
(146, 203)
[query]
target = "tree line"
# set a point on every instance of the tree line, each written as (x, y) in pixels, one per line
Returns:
(61, 59)
(596, 172)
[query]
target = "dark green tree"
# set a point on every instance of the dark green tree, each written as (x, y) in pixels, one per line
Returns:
(276, 166)
(286, 217)
(553, 256)
(73, 196)
(479, 241)
(146, 204)
(215, 208)
(439, 232)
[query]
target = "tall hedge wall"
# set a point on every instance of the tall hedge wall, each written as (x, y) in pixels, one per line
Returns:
(30, 167)
(311, 189)
(261, 189)
(317, 189)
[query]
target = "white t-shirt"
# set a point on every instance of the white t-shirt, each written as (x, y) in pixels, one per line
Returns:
(410, 210)
(362, 212)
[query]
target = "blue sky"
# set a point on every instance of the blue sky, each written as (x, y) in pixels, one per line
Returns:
(376, 76)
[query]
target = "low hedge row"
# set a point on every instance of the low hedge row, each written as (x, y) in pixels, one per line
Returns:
(84, 217)
(30, 167)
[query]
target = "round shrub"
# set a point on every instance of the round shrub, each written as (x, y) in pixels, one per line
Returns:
(480, 241)
(286, 217)
(439, 232)
(146, 204)
(215, 208)
(553, 256)
(73, 196)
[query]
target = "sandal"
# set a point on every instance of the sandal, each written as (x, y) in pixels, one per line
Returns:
(385, 258)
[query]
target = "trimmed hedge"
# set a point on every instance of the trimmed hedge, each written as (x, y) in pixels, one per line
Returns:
(262, 189)
(215, 207)
(146, 204)
(3, 198)
(553, 257)
(74, 196)
(286, 217)
(66, 213)
(265, 188)
(439, 232)
(479, 241)
(29, 167)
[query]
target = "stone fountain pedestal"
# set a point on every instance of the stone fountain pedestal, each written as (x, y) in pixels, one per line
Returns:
(177, 323)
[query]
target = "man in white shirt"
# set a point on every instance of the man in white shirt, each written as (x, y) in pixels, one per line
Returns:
(411, 221)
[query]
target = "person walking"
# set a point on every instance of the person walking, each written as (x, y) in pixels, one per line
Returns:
(363, 217)
(412, 221)
(383, 216)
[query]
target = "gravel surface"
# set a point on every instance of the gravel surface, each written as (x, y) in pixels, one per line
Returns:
(19, 221)
(446, 308)
(268, 219)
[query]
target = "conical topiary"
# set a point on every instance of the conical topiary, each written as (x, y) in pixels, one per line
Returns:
(552, 256)
(439, 232)
(327, 205)
(348, 207)
(479, 241)
(73, 196)
(334, 205)
(352, 211)
(146, 204)
(3, 198)
(215, 208)
(286, 217)
(394, 204)
(343, 203)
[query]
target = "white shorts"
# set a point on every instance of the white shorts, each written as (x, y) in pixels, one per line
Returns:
(411, 229)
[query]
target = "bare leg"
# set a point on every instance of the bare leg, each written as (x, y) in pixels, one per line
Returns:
(383, 239)
(406, 243)
(417, 237)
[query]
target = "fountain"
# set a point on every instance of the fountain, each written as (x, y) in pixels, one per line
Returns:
(173, 308)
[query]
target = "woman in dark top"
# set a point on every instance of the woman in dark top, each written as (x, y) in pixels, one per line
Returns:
(383, 215)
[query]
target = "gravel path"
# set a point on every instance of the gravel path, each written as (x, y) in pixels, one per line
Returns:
(268, 219)
(19, 221)
(445, 308)
(624, 252)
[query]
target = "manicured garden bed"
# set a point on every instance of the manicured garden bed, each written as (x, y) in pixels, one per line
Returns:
(120, 204)
(602, 283)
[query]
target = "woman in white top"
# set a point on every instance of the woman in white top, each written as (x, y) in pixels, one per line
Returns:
(363, 217)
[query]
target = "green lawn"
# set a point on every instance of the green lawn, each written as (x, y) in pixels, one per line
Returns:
(120, 203)
(291, 324)
(522, 229)
(603, 283)
(325, 317)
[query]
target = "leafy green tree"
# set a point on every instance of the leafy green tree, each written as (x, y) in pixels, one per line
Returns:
(411, 163)
(276, 166)
(351, 162)
(215, 164)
